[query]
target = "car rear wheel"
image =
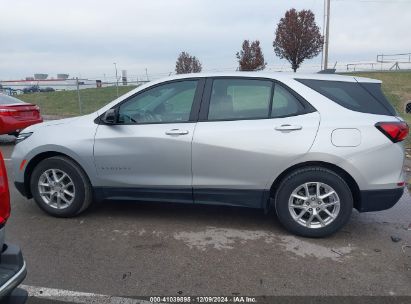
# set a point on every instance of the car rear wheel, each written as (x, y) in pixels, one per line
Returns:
(313, 202)
(60, 187)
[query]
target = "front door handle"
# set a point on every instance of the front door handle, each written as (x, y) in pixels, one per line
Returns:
(177, 132)
(288, 128)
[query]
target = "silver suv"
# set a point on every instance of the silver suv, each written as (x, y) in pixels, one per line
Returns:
(310, 147)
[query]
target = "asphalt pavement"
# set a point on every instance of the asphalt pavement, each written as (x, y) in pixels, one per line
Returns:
(148, 249)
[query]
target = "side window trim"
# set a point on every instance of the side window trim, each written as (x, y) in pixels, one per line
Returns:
(194, 112)
(205, 102)
(195, 108)
(270, 109)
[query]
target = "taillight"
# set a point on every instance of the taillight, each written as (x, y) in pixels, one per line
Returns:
(396, 131)
(4, 193)
(7, 112)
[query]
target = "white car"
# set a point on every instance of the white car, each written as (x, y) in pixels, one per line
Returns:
(311, 147)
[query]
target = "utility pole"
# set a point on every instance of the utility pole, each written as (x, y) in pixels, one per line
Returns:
(78, 95)
(115, 66)
(327, 33)
(323, 29)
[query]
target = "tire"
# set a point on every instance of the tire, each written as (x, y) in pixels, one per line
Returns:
(288, 207)
(75, 182)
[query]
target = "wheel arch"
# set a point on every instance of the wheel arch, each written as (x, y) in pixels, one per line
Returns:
(36, 160)
(352, 184)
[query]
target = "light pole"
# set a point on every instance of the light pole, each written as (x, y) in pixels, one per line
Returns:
(327, 33)
(115, 66)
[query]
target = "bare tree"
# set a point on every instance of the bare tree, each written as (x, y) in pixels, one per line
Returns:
(251, 58)
(297, 37)
(187, 64)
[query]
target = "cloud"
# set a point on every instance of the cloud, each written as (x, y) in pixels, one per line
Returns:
(86, 37)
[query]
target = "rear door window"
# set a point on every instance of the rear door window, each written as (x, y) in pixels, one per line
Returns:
(233, 99)
(361, 97)
(284, 103)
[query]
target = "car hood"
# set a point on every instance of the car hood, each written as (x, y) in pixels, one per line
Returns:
(49, 123)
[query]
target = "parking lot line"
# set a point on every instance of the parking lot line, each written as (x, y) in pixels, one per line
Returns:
(76, 296)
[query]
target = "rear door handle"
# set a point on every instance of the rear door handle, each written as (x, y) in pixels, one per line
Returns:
(177, 132)
(288, 128)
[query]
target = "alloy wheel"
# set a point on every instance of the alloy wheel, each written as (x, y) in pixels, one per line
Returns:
(56, 188)
(314, 205)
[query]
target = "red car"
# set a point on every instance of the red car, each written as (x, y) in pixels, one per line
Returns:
(15, 115)
(12, 264)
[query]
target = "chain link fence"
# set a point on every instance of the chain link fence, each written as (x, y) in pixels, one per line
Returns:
(71, 97)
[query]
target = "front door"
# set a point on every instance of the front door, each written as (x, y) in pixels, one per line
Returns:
(147, 154)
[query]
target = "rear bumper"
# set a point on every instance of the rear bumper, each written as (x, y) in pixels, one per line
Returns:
(12, 270)
(377, 200)
(10, 124)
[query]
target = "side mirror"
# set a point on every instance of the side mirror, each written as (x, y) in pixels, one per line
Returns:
(110, 117)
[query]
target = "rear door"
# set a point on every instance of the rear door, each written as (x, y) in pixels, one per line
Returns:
(249, 131)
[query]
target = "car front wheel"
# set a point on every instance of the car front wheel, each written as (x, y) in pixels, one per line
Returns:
(60, 187)
(313, 202)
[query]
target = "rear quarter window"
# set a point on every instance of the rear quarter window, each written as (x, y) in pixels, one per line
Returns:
(357, 96)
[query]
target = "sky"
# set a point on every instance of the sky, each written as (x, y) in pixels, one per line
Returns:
(84, 38)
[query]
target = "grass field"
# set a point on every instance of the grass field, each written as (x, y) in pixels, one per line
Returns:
(65, 103)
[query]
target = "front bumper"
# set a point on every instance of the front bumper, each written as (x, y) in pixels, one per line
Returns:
(377, 200)
(12, 270)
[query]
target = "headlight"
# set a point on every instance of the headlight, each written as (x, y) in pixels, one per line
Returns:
(23, 136)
